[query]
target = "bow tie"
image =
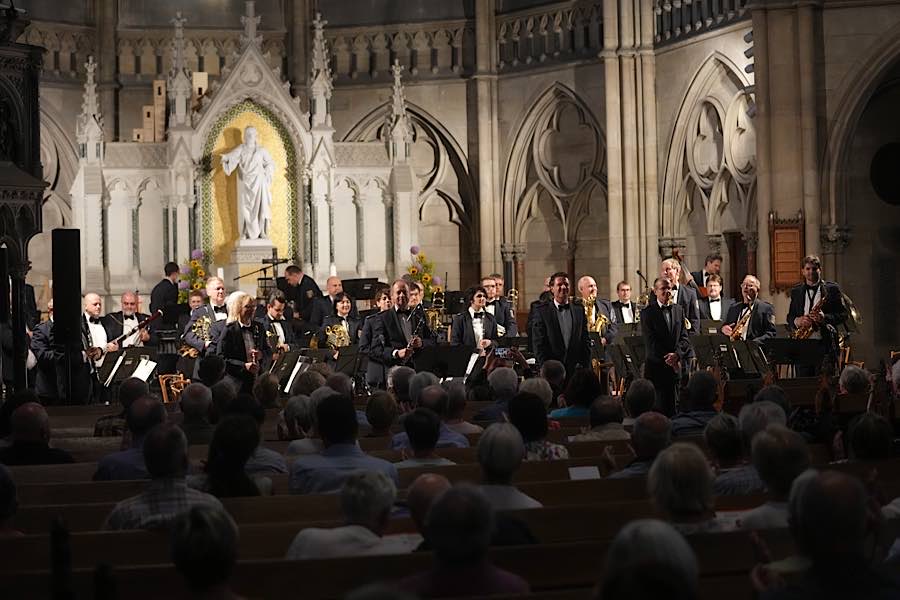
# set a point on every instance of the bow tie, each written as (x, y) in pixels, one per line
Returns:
(626, 306)
(220, 309)
(667, 307)
(711, 300)
(247, 327)
(563, 307)
(404, 312)
(478, 315)
(95, 320)
(812, 288)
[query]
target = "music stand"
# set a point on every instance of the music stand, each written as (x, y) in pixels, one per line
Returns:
(361, 289)
(634, 351)
(316, 354)
(346, 360)
(519, 342)
(708, 349)
(443, 360)
(454, 302)
(284, 368)
(709, 327)
(787, 351)
(130, 362)
(624, 367)
(598, 350)
(628, 329)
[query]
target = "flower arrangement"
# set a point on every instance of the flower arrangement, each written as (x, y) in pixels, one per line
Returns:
(192, 276)
(422, 270)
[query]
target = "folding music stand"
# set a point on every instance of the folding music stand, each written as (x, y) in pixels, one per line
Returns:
(634, 351)
(443, 360)
(628, 330)
(347, 359)
(787, 351)
(454, 302)
(519, 342)
(284, 368)
(361, 289)
(709, 327)
(131, 359)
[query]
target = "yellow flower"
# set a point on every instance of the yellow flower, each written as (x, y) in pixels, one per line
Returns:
(413, 270)
(195, 264)
(196, 285)
(437, 288)
(426, 278)
(422, 258)
(201, 273)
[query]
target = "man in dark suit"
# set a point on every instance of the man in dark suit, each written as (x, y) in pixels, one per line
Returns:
(276, 326)
(500, 308)
(474, 328)
(374, 370)
(323, 306)
(560, 329)
(684, 296)
(49, 360)
(804, 298)
(587, 287)
(666, 344)
(711, 266)
(243, 344)
(761, 325)
(715, 307)
(624, 309)
(299, 290)
(164, 297)
(213, 312)
(123, 321)
(397, 333)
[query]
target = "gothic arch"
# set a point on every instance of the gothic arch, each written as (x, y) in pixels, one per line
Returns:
(533, 166)
(712, 154)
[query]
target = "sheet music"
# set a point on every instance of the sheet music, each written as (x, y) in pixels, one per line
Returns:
(471, 364)
(114, 369)
(290, 381)
(144, 369)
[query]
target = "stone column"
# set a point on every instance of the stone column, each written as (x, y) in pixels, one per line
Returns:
(835, 240)
(390, 267)
(108, 86)
(751, 239)
(519, 267)
(486, 158)
(183, 207)
(507, 252)
(615, 191)
(763, 142)
(120, 240)
(92, 235)
(651, 199)
(297, 16)
(806, 59)
(360, 235)
(306, 220)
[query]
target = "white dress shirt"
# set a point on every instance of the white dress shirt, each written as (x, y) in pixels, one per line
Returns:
(129, 322)
(628, 313)
(715, 309)
(477, 326)
(808, 303)
(98, 337)
(220, 316)
(279, 331)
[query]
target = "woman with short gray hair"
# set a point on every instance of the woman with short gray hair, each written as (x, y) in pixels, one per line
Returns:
(680, 485)
(500, 453)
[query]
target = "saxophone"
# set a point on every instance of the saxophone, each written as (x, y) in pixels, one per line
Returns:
(803, 333)
(200, 328)
(597, 323)
(737, 332)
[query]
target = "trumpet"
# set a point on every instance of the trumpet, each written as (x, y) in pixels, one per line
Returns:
(737, 332)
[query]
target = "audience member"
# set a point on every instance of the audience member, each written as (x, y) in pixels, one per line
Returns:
(830, 523)
(871, 437)
(743, 479)
(650, 436)
(423, 427)
(30, 427)
(310, 443)
(288, 428)
(366, 501)
(398, 384)
(435, 398)
(263, 461)
(723, 440)
(144, 414)
(456, 408)
(648, 559)
(503, 383)
(458, 528)
(640, 398)
(854, 381)
(225, 475)
(500, 452)
(554, 372)
(307, 382)
(774, 393)
(266, 390)
(167, 495)
(223, 393)
(196, 403)
(540, 387)
(583, 388)
(204, 551)
(680, 486)
(607, 417)
(702, 391)
(211, 369)
(9, 406)
(9, 504)
(422, 493)
(322, 368)
(327, 471)
(527, 413)
(381, 412)
(780, 456)
(114, 425)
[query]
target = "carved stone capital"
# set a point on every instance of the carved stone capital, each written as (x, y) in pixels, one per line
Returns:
(508, 252)
(666, 245)
(715, 241)
(835, 238)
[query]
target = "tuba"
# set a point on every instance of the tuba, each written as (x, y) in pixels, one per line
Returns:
(200, 328)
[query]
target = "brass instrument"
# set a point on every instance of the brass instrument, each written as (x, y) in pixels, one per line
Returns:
(435, 314)
(597, 323)
(336, 336)
(803, 333)
(200, 328)
(512, 295)
(172, 385)
(737, 332)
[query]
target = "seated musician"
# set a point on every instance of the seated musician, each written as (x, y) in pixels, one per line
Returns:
(343, 319)
(243, 342)
(277, 326)
(715, 306)
(121, 322)
(474, 328)
(757, 316)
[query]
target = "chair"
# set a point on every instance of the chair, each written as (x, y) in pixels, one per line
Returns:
(171, 386)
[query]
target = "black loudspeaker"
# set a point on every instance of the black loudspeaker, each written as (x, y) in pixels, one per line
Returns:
(67, 305)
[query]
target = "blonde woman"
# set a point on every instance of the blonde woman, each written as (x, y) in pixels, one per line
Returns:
(243, 342)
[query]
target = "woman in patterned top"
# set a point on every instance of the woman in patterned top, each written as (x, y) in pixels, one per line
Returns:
(527, 413)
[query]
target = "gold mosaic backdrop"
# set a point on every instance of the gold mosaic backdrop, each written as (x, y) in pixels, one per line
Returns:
(224, 217)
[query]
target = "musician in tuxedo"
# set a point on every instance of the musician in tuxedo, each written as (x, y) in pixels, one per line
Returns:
(398, 332)
(474, 328)
(49, 359)
(215, 311)
(761, 325)
(300, 291)
(715, 306)
(243, 342)
(711, 266)
(804, 298)
(96, 345)
(125, 320)
(682, 295)
(666, 344)
(277, 326)
(499, 307)
(195, 300)
(164, 297)
(587, 287)
(382, 300)
(624, 309)
(341, 316)
(545, 297)
(560, 329)
(323, 306)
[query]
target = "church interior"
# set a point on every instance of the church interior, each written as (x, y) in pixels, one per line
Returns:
(450, 143)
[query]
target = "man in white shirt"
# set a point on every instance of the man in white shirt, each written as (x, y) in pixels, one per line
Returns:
(714, 307)
(623, 307)
(121, 322)
(96, 345)
(215, 312)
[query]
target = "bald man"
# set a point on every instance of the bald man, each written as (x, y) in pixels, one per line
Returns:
(125, 320)
(760, 325)
(97, 341)
(422, 493)
(30, 427)
(324, 305)
(587, 287)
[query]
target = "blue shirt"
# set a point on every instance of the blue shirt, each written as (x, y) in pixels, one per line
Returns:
(125, 464)
(326, 472)
(447, 439)
(570, 411)
(691, 422)
(638, 468)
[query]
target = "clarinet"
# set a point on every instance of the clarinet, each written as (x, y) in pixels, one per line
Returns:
(415, 334)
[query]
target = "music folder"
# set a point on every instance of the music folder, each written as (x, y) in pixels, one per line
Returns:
(287, 367)
(122, 364)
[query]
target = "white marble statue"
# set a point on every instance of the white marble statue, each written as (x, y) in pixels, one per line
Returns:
(254, 195)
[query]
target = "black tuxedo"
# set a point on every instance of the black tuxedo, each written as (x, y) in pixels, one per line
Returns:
(323, 306)
(189, 337)
(462, 331)
(301, 295)
(687, 300)
(388, 335)
(164, 297)
(617, 310)
(374, 370)
(231, 348)
(604, 307)
(661, 338)
(762, 322)
(706, 313)
(114, 326)
(548, 337)
(505, 316)
(290, 337)
(833, 308)
(353, 327)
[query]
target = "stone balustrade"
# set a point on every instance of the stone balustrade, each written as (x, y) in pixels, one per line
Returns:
(680, 19)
